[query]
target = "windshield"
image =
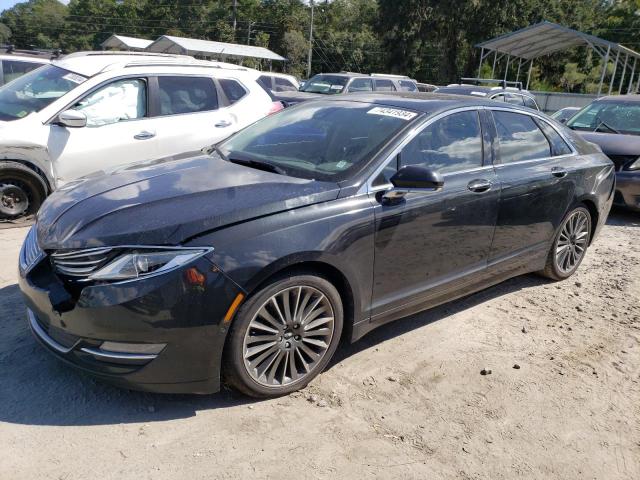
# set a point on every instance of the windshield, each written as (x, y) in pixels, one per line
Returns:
(327, 84)
(35, 90)
(318, 140)
(608, 116)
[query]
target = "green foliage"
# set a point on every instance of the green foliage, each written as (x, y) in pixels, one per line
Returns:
(431, 40)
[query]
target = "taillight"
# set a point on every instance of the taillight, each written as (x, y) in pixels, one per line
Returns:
(275, 107)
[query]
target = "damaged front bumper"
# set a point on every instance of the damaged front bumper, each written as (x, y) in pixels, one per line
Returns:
(160, 334)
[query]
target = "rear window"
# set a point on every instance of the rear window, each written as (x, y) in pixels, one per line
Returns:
(319, 140)
(284, 85)
(186, 95)
(13, 69)
(385, 86)
(232, 89)
(408, 86)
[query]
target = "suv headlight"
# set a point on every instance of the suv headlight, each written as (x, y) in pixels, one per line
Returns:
(141, 263)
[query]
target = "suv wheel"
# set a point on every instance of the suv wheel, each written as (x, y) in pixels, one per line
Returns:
(569, 245)
(284, 336)
(22, 191)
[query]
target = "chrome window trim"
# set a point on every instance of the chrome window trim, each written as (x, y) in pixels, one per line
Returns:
(368, 185)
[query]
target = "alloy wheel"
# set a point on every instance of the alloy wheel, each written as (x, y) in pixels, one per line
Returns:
(572, 241)
(288, 336)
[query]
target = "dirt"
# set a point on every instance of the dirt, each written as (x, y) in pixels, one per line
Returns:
(407, 401)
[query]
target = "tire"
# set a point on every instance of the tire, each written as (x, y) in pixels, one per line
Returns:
(293, 354)
(22, 191)
(569, 245)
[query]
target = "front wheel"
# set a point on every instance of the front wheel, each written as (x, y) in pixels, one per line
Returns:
(21, 191)
(569, 245)
(284, 336)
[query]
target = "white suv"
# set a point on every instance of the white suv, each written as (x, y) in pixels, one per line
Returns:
(93, 111)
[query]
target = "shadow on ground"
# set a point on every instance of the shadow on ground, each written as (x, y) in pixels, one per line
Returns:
(37, 389)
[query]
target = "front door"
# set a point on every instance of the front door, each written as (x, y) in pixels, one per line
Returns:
(431, 242)
(118, 131)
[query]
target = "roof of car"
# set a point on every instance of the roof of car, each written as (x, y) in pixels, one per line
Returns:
(419, 101)
(481, 89)
(618, 98)
(24, 58)
(92, 63)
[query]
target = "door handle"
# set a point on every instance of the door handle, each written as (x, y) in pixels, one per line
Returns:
(479, 186)
(144, 135)
(558, 172)
(222, 124)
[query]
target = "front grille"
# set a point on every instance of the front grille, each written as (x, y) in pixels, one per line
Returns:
(80, 263)
(31, 252)
(622, 161)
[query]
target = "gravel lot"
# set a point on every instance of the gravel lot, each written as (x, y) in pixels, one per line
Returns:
(407, 401)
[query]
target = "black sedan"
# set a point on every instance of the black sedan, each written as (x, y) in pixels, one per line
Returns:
(322, 222)
(613, 123)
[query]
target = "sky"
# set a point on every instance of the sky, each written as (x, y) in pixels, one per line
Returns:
(4, 4)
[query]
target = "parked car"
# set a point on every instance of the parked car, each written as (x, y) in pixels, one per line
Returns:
(347, 82)
(323, 221)
(15, 65)
(426, 87)
(502, 93)
(278, 82)
(565, 114)
(93, 111)
(613, 123)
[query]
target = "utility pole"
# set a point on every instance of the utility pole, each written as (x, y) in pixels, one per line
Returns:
(235, 8)
(249, 33)
(310, 42)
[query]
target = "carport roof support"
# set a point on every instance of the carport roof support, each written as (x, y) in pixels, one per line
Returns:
(194, 46)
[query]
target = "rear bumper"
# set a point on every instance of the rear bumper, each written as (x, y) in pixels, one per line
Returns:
(165, 310)
(628, 190)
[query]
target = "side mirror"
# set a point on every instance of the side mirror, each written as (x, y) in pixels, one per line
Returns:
(72, 118)
(413, 178)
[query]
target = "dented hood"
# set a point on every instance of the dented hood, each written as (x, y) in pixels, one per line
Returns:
(168, 201)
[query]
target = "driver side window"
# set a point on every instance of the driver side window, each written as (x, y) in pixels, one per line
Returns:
(116, 102)
(450, 144)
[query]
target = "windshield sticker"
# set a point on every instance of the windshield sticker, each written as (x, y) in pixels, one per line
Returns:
(74, 77)
(480, 94)
(393, 112)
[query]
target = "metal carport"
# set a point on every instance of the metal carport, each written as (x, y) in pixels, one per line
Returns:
(209, 49)
(545, 38)
(121, 42)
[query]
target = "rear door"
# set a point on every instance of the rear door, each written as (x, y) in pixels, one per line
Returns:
(187, 116)
(537, 183)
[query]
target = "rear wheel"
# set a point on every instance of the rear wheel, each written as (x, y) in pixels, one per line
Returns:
(22, 191)
(284, 336)
(569, 245)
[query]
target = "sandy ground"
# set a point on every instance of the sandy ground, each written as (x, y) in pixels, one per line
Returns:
(407, 401)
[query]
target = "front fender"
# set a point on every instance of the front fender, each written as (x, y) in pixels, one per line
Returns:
(339, 233)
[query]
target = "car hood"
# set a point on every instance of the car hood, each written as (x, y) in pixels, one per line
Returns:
(168, 201)
(613, 143)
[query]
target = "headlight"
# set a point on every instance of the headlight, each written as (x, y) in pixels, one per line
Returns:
(635, 165)
(146, 262)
